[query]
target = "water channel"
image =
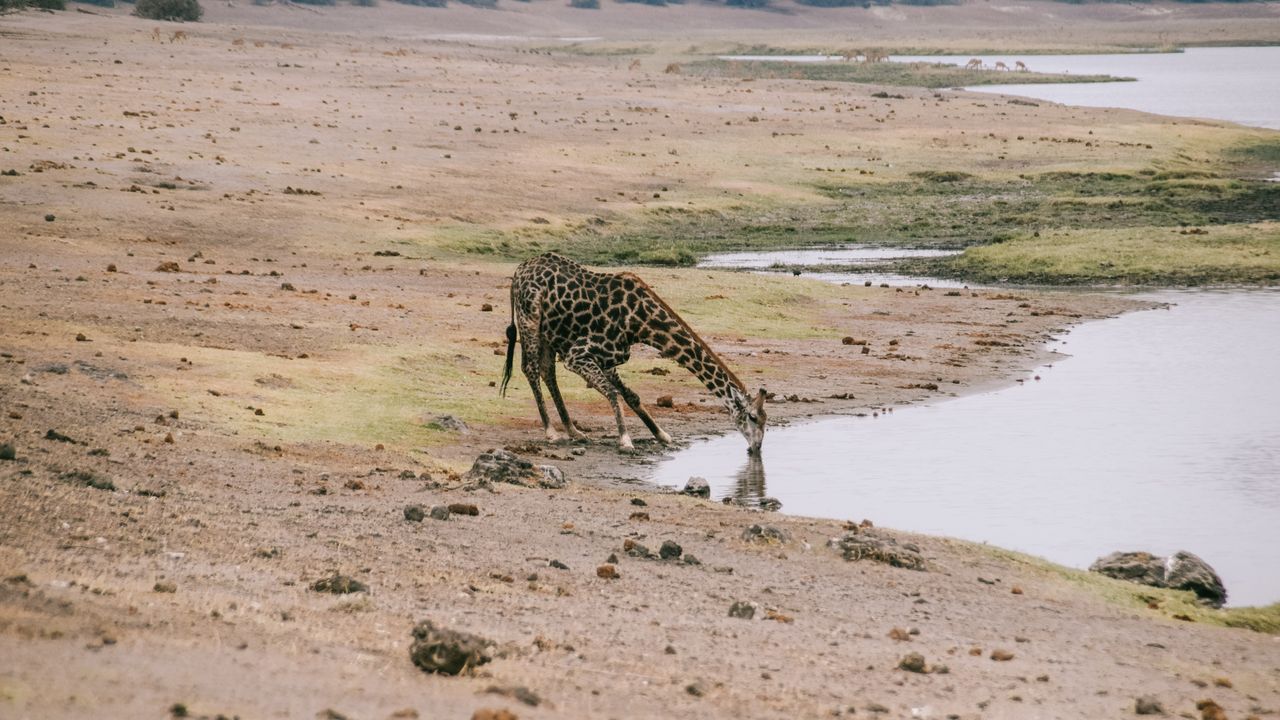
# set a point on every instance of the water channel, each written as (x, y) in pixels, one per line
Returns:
(1158, 430)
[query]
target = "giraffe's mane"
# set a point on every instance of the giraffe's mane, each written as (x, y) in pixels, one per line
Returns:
(685, 326)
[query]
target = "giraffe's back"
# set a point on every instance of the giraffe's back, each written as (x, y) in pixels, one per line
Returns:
(574, 305)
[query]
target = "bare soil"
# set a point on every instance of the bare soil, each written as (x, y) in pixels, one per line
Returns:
(241, 395)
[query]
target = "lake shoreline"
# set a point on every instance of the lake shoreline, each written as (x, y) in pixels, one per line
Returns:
(280, 252)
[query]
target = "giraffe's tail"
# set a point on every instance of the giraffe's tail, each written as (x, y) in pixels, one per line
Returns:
(511, 349)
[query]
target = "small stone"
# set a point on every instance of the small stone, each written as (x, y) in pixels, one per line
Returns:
(168, 438)
(80, 337)
(899, 634)
(742, 610)
(638, 502)
(557, 565)
(440, 512)
(486, 307)
(670, 550)
(697, 487)
(7, 452)
(769, 504)
(492, 714)
(408, 475)
(1148, 705)
(414, 513)
(612, 559)
(608, 572)
(1223, 682)
(464, 509)
(690, 559)
(664, 401)
(913, 662)
(1001, 655)
(339, 585)
(1210, 710)
(448, 652)
(164, 586)
(696, 689)
(766, 535)
(111, 267)
(50, 217)
(635, 549)
(1016, 590)
(669, 650)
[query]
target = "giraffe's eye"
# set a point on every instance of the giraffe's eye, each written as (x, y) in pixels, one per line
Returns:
(752, 417)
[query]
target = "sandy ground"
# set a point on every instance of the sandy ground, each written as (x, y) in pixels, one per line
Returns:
(260, 437)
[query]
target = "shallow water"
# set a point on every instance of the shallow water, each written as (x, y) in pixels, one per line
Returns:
(1160, 432)
(870, 257)
(1238, 84)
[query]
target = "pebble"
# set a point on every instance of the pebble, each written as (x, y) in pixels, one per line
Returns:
(1148, 705)
(669, 550)
(1001, 655)
(913, 662)
(697, 487)
(414, 513)
(742, 610)
(608, 572)
(440, 512)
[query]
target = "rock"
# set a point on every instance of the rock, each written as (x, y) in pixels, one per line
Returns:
(164, 586)
(414, 513)
(664, 401)
(608, 572)
(862, 545)
(635, 549)
(899, 634)
(448, 422)
(670, 550)
(407, 475)
(742, 610)
(7, 452)
(169, 266)
(639, 502)
(1182, 571)
(1001, 655)
(1210, 710)
(339, 585)
(557, 565)
(696, 689)
(449, 652)
(913, 662)
(766, 535)
(492, 714)
(1147, 705)
(464, 509)
(501, 466)
(769, 504)
(697, 487)
(690, 559)
(439, 512)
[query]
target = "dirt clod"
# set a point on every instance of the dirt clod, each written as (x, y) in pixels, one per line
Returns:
(1148, 705)
(608, 572)
(742, 610)
(464, 509)
(339, 585)
(165, 586)
(1001, 655)
(448, 652)
(492, 714)
(414, 513)
(913, 662)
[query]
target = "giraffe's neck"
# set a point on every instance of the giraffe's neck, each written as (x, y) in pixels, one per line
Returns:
(674, 339)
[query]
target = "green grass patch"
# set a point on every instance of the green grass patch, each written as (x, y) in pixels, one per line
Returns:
(1223, 254)
(918, 74)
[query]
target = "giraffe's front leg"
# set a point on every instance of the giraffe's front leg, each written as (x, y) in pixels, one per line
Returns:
(583, 364)
(633, 400)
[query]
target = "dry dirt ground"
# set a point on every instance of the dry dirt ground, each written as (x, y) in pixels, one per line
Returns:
(258, 387)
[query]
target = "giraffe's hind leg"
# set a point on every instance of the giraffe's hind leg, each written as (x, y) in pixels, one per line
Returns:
(633, 401)
(582, 363)
(530, 359)
(549, 375)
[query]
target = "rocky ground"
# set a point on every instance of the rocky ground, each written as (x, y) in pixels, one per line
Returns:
(228, 398)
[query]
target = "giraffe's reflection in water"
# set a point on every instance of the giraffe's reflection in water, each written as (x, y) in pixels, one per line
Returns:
(748, 485)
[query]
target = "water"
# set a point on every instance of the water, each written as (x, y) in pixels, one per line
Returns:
(869, 258)
(1237, 84)
(1160, 432)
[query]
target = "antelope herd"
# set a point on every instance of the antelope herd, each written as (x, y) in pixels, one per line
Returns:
(977, 64)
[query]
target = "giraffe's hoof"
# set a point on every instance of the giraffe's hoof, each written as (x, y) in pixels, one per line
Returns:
(624, 442)
(552, 435)
(664, 438)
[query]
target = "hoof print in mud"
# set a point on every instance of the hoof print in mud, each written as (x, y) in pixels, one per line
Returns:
(339, 585)
(501, 466)
(449, 652)
(865, 546)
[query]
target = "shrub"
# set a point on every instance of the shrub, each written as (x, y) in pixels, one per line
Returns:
(364, 3)
(99, 3)
(585, 4)
(752, 4)
(45, 4)
(316, 2)
(176, 10)
(836, 3)
(425, 3)
(488, 4)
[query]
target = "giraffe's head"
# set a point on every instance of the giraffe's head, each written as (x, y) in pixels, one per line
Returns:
(749, 415)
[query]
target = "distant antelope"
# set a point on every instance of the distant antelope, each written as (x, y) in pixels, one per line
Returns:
(847, 55)
(1001, 66)
(872, 56)
(178, 35)
(672, 69)
(155, 34)
(635, 65)
(973, 64)
(1020, 66)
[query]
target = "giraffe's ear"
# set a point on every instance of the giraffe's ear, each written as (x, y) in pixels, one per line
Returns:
(760, 398)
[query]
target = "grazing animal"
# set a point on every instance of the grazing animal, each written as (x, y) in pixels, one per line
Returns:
(1020, 66)
(178, 35)
(1001, 66)
(973, 64)
(590, 320)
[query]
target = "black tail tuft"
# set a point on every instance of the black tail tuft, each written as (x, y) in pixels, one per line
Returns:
(511, 356)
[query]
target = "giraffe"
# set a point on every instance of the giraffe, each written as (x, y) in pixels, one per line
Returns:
(590, 320)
